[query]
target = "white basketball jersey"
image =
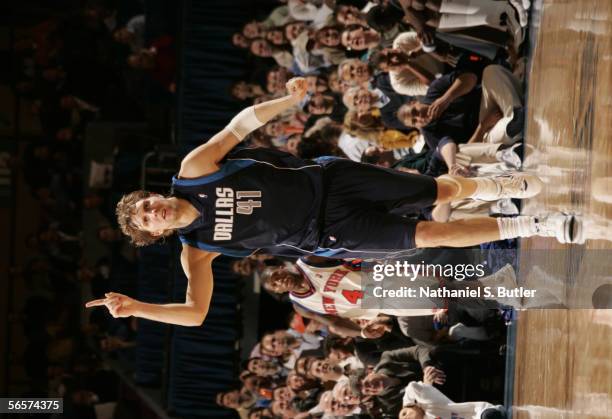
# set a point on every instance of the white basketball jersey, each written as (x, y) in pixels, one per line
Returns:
(337, 290)
(334, 290)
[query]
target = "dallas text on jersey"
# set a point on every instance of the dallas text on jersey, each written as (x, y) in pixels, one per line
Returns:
(229, 202)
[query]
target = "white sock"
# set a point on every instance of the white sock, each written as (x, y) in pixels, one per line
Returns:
(511, 227)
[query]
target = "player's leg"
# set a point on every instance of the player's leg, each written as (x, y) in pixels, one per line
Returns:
(474, 231)
(457, 188)
(356, 183)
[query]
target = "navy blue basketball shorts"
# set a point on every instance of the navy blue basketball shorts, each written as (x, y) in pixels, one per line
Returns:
(362, 207)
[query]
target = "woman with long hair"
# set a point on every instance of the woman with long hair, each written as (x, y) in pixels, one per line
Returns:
(369, 127)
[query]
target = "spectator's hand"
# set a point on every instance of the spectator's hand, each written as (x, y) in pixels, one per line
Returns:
(426, 37)
(437, 108)
(441, 316)
(297, 87)
(376, 328)
(118, 305)
(432, 375)
(459, 170)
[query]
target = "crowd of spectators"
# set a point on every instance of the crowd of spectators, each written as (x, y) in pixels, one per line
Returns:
(90, 63)
(429, 87)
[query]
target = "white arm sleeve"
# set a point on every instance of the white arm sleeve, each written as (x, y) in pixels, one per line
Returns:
(244, 123)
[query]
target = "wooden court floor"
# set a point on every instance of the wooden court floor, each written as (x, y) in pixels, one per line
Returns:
(563, 362)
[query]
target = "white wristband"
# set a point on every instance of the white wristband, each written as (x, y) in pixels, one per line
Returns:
(244, 123)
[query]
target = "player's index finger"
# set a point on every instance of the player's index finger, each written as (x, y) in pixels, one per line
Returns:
(95, 303)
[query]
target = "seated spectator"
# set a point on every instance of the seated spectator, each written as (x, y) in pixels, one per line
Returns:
(319, 368)
(276, 36)
(292, 30)
(246, 91)
(262, 48)
(238, 400)
(299, 383)
(363, 39)
(445, 122)
(159, 60)
(345, 402)
(410, 71)
(370, 128)
(318, 15)
(132, 34)
(276, 78)
(447, 113)
(253, 29)
(422, 399)
(325, 104)
(240, 41)
(355, 72)
(317, 83)
(364, 101)
(348, 14)
(392, 374)
(265, 368)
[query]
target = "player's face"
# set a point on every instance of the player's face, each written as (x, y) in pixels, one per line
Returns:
(155, 214)
(282, 280)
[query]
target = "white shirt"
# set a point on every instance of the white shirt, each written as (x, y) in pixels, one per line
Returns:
(338, 291)
(437, 406)
(352, 146)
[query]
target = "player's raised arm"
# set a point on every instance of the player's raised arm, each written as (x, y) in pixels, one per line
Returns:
(205, 159)
(197, 265)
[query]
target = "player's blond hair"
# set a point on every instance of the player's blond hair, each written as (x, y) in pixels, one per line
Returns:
(126, 208)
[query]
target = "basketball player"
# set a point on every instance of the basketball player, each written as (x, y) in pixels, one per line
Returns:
(325, 289)
(256, 199)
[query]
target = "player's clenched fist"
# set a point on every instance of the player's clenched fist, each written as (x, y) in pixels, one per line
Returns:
(297, 87)
(118, 305)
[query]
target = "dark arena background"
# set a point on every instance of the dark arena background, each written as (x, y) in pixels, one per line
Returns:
(103, 97)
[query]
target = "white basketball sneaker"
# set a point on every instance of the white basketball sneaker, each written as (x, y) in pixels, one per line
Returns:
(517, 185)
(566, 228)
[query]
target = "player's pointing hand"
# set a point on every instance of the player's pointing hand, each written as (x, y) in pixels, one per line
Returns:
(297, 87)
(118, 305)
